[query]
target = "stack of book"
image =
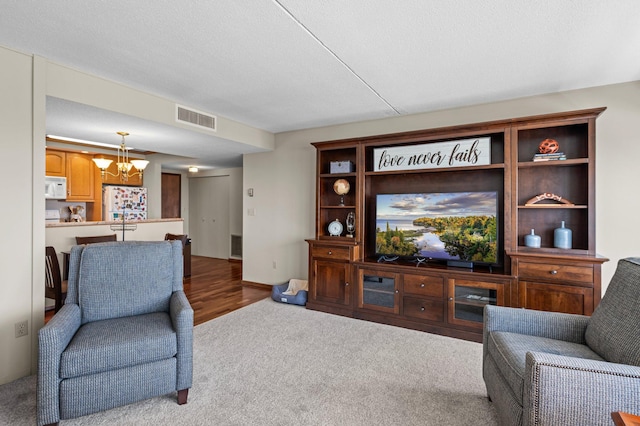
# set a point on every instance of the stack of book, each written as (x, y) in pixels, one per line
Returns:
(550, 157)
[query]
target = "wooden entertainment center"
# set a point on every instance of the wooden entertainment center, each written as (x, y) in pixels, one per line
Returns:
(347, 278)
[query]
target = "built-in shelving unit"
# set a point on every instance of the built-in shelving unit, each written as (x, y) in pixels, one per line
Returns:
(346, 277)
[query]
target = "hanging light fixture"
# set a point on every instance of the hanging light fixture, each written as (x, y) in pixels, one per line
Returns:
(124, 164)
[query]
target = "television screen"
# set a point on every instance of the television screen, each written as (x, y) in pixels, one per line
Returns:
(451, 226)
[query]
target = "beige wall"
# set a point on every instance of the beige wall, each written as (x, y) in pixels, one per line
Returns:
(25, 82)
(19, 104)
(284, 179)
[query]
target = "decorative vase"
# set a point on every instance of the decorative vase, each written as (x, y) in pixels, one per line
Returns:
(562, 237)
(532, 240)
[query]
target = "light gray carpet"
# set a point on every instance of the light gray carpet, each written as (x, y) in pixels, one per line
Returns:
(278, 364)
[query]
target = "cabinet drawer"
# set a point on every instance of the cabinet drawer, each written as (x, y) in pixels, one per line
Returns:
(425, 309)
(327, 252)
(424, 285)
(555, 272)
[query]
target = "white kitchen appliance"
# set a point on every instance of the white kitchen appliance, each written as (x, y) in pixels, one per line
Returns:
(55, 187)
(52, 216)
(130, 201)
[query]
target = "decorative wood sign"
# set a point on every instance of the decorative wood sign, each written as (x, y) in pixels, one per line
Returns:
(457, 153)
(548, 196)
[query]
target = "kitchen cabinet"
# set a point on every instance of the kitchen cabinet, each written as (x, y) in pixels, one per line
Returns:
(80, 177)
(56, 162)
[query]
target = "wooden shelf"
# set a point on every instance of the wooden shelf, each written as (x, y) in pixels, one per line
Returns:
(554, 206)
(556, 163)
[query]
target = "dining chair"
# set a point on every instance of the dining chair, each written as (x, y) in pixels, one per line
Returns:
(186, 250)
(95, 239)
(55, 286)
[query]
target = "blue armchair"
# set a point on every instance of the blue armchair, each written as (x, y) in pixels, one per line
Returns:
(549, 368)
(124, 334)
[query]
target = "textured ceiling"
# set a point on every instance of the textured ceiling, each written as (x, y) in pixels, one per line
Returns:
(282, 65)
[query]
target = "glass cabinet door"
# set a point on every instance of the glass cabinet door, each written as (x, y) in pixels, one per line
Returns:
(378, 290)
(467, 300)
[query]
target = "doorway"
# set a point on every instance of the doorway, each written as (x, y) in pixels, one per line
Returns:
(171, 195)
(209, 216)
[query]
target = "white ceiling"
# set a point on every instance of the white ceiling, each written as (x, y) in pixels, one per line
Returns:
(282, 65)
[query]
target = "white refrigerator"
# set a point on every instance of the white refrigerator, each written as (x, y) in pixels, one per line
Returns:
(130, 201)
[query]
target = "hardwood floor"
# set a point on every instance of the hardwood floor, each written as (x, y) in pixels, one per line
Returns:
(215, 288)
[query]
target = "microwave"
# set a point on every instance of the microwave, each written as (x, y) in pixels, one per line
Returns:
(55, 187)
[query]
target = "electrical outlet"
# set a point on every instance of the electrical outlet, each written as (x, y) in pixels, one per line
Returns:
(22, 328)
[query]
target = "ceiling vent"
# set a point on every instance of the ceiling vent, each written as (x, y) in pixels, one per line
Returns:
(196, 118)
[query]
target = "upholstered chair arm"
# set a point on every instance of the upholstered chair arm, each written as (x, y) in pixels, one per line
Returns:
(182, 318)
(53, 338)
(562, 390)
(553, 325)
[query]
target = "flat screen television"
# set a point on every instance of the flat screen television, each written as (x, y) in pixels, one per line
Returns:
(460, 228)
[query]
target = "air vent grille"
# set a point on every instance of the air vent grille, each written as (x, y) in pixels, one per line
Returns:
(195, 118)
(236, 246)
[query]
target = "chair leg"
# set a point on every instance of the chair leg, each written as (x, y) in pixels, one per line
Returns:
(182, 396)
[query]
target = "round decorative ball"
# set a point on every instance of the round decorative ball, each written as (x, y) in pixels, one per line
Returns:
(548, 146)
(341, 187)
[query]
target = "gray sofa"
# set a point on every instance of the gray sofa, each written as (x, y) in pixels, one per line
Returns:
(125, 332)
(548, 368)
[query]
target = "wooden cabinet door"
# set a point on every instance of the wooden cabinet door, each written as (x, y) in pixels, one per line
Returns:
(80, 177)
(378, 291)
(467, 299)
(331, 283)
(556, 297)
(55, 163)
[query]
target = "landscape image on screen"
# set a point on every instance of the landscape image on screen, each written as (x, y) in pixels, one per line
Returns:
(445, 226)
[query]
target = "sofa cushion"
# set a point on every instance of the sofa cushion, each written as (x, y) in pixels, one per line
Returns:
(509, 351)
(116, 343)
(119, 280)
(612, 331)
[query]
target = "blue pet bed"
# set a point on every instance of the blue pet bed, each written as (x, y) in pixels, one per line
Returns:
(299, 299)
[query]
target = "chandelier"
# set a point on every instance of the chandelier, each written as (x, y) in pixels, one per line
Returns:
(124, 164)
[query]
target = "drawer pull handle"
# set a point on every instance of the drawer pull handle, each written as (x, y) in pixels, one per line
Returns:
(397, 291)
(346, 284)
(422, 308)
(553, 272)
(421, 285)
(330, 252)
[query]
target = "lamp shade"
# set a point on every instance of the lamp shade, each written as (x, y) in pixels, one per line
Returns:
(139, 164)
(102, 163)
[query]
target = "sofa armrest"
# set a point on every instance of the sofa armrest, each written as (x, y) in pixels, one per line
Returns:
(553, 325)
(53, 338)
(182, 319)
(575, 391)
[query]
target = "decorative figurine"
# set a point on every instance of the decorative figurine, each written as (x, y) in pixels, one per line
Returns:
(548, 146)
(351, 224)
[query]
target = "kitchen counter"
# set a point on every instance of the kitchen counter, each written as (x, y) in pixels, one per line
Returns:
(119, 222)
(62, 236)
